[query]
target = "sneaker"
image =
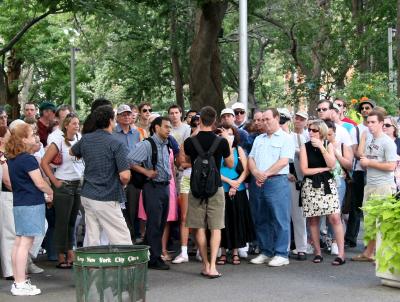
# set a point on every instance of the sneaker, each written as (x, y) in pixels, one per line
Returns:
(260, 259)
(34, 269)
(25, 289)
(310, 249)
(278, 261)
(198, 257)
(242, 253)
(334, 249)
(180, 259)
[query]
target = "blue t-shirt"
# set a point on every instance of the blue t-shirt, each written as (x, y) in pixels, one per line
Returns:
(25, 193)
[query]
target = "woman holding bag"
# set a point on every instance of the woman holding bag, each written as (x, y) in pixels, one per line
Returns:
(66, 185)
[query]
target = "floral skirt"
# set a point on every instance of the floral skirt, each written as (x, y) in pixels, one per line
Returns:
(316, 202)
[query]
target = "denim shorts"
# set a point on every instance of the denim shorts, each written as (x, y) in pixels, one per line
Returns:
(29, 220)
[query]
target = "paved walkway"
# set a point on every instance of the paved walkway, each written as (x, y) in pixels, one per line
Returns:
(299, 281)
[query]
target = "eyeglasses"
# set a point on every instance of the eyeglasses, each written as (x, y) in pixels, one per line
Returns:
(322, 109)
(147, 110)
(387, 125)
(241, 112)
(3, 117)
(365, 108)
(313, 130)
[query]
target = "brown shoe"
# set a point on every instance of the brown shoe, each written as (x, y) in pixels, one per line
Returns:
(362, 258)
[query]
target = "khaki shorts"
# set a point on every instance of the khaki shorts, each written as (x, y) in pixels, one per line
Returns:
(211, 215)
(382, 190)
(185, 185)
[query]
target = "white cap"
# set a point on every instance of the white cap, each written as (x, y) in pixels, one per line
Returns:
(336, 107)
(302, 114)
(285, 112)
(238, 105)
(123, 108)
(227, 111)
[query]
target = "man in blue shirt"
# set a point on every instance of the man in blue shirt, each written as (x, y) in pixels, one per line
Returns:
(106, 172)
(129, 136)
(156, 190)
(270, 190)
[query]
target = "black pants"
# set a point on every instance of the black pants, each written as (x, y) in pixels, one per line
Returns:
(132, 206)
(355, 213)
(156, 205)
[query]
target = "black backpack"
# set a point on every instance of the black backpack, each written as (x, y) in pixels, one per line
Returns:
(205, 178)
(139, 179)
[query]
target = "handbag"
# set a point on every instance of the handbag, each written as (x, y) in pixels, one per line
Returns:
(58, 158)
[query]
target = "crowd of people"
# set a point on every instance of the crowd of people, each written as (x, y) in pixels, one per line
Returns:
(279, 186)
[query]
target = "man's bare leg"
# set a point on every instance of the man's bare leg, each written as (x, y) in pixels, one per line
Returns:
(215, 242)
(201, 241)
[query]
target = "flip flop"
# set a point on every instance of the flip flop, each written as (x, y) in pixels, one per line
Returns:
(215, 276)
(318, 259)
(63, 265)
(338, 261)
(362, 258)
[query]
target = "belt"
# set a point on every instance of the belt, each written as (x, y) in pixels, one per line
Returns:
(276, 175)
(161, 183)
(71, 182)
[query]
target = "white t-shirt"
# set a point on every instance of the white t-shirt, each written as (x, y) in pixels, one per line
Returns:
(362, 128)
(296, 160)
(342, 136)
(71, 167)
(181, 133)
(55, 136)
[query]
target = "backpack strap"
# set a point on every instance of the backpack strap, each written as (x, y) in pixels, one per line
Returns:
(214, 146)
(197, 146)
(153, 152)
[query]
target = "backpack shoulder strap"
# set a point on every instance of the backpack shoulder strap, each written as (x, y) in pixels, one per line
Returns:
(153, 152)
(214, 146)
(197, 146)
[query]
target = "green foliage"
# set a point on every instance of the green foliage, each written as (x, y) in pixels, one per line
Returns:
(382, 218)
(374, 86)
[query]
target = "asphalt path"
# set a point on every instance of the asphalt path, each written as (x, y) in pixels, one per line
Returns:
(299, 281)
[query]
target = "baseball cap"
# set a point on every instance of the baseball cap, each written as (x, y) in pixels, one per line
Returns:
(369, 101)
(285, 113)
(238, 105)
(336, 107)
(302, 114)
(123, 108)
(47, 105)
(227, 111)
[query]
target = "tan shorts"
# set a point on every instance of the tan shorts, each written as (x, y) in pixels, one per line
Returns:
(185, 185)
(382, 190)
(211, 215)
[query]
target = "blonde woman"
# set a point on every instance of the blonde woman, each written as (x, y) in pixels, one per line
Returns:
(319, 194)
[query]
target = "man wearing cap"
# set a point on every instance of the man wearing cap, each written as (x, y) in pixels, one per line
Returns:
(353, 224)
(227, 117)
(335, 117)
(342, 113)
(44, 124)
(129, 136)
(240, 114)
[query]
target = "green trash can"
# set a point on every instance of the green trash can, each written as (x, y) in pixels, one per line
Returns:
(111, 273)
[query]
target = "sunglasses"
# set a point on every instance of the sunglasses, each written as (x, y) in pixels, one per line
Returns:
(366, 108)
(339, 105)
(241, 112)
(387, 125)
(322, 109)
(3, 117)
(70, 115)
(147, 110)
(313, 130)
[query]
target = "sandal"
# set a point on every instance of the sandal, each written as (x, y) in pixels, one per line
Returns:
(338, 261)
(64, 265)
(301, 256)
(235, 260)
(362, 258)
(318, 259)
(221, 260)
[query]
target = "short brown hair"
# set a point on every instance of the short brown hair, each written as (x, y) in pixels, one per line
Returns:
(275, 112)
(208, 116)
(378, 113)
(15, 145)
(141, 105)
(175, 106)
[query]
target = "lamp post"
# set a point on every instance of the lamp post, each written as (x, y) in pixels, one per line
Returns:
(73, 79)
(243, 55)
(392, 80)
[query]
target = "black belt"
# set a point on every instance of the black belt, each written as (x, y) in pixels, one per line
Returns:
(161, 183)
(276, 175)
(71, 182)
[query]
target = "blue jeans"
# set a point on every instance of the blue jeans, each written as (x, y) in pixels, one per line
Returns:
(271, 205)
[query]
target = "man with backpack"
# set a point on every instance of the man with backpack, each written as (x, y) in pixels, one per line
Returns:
(206, 206)
(151, 158)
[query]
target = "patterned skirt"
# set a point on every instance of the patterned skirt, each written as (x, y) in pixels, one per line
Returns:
(316, 202)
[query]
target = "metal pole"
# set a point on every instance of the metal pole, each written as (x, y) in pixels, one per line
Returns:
(390, 59)
(73, 81)
(243, 54)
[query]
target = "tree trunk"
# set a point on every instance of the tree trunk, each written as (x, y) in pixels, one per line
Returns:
(176, 68)
(13, 72)
(205, 71)
(357, 8)
(3, 86)
(398, 49)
